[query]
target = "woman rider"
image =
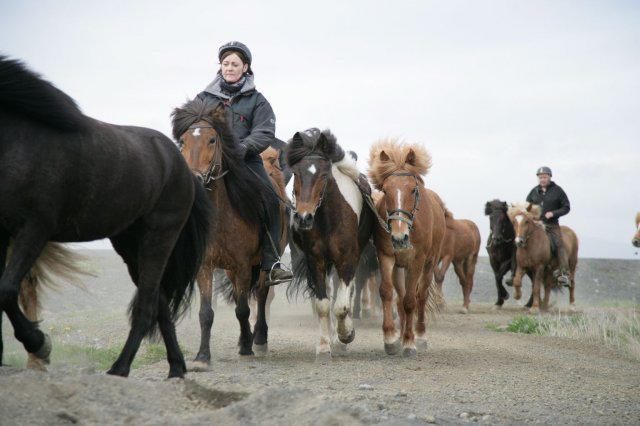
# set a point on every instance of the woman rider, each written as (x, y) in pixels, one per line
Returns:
(254, 124)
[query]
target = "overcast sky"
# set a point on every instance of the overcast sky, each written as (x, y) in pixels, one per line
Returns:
(493, 89)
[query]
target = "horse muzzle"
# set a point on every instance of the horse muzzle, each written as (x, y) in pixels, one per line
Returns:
(520, 242)
(303, 221)
(400, 242)
(636, 242)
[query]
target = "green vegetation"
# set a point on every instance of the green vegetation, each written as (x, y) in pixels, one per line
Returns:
(615, 328)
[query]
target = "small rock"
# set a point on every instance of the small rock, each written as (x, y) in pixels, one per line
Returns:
(486, 417)
(401, 394)
(464, 415)
(365, 387)
(411, 416)
(429, 419)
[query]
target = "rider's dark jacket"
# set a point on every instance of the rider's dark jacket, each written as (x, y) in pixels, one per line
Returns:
(554, 199)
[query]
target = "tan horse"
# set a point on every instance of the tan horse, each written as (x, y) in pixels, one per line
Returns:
(534, 256)
(410, 239)
(55, 264)
(460, 246)
(636, 238)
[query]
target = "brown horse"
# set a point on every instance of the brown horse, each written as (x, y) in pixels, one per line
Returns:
(410, 239)
(460, 246)
(55, 264)
(636, 238)
(212, 152)
(534, 254)
(331, 225)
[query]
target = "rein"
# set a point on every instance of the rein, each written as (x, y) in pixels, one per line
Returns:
(216, 164)
(393, 214)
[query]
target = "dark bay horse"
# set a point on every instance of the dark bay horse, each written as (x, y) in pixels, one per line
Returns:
(410, 241)
(500, 245)
(460, 246)
(213, 153)
(534, 254)
(66, 177)
(331, 225)
(636, 238)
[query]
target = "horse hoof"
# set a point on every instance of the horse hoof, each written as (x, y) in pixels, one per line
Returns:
(339, 349)
(349, 337)
(177, 372)
(410, 352)
(36, 364)
(323, 358)
(392, 348)
(533, 311)
(572, 308)
(464, 310)
(421, 343)
(246, 352)
(261, 350)
(45, 350)
(199, 366)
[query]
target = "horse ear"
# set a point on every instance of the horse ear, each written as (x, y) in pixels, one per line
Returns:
(322, 143)
(384, 156)
(529, 206)
(487, 208)
(411, 158)
(219, 113)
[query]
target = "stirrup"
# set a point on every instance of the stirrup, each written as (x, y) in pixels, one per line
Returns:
(270, 281)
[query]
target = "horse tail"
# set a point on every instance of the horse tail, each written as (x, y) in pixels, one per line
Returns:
(189, 251)
(432, 308)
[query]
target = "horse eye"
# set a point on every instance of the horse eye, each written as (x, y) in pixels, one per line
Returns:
(212, 141)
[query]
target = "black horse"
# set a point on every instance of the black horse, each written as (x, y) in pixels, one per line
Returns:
(66, 177)
(500, 245)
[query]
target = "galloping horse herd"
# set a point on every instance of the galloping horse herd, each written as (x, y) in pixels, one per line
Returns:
(174, 215)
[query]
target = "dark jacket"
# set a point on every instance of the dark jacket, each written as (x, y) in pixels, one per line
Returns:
(553, 200)
(254, 122)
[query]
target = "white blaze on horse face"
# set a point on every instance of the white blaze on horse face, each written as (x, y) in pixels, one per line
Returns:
(312, 169)
(196, 132)
(519, 219)
(399, 201)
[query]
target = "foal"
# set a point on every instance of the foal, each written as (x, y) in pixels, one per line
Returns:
(534, 255)
(410, 239)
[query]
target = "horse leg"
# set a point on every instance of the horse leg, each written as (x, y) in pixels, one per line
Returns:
(412, 275)
(391, 338)
(206, 314)
(242, 285)
(461, 272)
(517, 282)
(537, 283)
(572, 288)
(261, 329)
(439, 273)
(342, 310)
(503, 294)
(323, 310)
(425, 286)
(146, 257)
(360, 282)
(30, 304)
(27, 246)
(177, 366)
(366, 298)
(470, 270)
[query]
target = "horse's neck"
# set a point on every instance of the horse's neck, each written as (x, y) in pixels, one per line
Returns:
(538, 247)
(221, 204)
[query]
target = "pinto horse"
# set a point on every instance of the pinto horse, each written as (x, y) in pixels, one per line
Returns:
(203, 131)
(331, 225)
(534, 255)
(66, 177)
(460, 246)
(636, 238)
(500, 245)
(410, 238)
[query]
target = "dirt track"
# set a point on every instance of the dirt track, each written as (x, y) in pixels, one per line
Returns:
(469, 373)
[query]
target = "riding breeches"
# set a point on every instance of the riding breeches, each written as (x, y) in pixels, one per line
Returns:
(561, 253)
(272, 215)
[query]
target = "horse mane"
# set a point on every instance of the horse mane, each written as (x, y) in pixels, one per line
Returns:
(532, 211)
(388, 156)
(27, 93)
(494, 205)
(313, 142)
(637, 218)
(243, 187)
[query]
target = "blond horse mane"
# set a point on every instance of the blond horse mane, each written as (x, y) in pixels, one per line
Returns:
(388, 156)
(532, 211)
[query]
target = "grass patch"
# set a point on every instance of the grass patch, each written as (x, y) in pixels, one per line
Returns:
(100, 358)
(615, 328)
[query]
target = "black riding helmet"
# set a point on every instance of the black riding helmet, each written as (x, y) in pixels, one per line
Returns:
(544, 170)
(238, 47)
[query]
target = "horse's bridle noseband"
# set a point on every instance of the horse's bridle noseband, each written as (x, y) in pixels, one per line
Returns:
(215, 166)
(393, 214)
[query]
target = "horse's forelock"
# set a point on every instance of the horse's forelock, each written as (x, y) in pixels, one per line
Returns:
(388, 156)
(191, 112)
(313, 141)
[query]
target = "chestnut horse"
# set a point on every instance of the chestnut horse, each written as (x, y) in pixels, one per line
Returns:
(500, 245)
(213, 153)
(410, 238)
(331, 225)
(636, 238)
(460, 246)
(534, 254)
